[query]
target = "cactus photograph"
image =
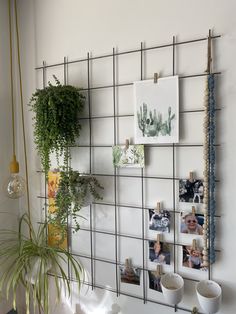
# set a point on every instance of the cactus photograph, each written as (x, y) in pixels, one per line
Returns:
(131, 156)
(157, 111)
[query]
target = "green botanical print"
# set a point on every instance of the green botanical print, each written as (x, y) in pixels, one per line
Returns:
(132, 156)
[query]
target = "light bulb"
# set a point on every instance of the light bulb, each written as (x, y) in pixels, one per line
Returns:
(14, 186)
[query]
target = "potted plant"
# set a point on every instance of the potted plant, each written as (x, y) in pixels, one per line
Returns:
(56, 110)
(56, 127)
(26, 260)
(74, 192)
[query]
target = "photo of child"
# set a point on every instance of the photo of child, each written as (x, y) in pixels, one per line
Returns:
(191, 191)
(159, 252)
(192, 223)
(154, 281)
(193, 257)
(159, 221)
(129, 274)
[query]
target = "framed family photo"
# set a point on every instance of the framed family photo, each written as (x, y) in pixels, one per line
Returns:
(156, 115)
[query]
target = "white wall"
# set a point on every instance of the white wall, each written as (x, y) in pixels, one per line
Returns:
(57, 28)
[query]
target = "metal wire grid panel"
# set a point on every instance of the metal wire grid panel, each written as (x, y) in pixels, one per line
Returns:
(141, 177)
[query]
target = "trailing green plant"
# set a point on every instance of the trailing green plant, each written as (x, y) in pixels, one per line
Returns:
(27, 260)
(72, 192)
(56, 110)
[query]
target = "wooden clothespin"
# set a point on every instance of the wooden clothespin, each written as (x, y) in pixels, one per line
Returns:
(194, 310)
(209, 57)
(194, 244)
(191, 176)
(128, 262)
(193, 210)
(126, 144)
(158, 272)
(158, 208)
(155, 77)
(158, 238)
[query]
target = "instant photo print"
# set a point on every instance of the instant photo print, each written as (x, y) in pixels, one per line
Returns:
(159, 252)
(191, 191)
(130, 274)
(159, 221)
(154, 281)
(191, 223)
(131, 156)
(193, 257)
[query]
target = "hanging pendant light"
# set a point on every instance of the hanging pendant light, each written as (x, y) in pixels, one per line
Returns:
(14, 186)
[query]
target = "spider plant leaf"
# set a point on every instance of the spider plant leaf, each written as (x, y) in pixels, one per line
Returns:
(28, 260)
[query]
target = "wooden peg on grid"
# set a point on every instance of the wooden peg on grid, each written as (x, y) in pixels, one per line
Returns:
(158, 271)
(158, 240)
(126, 144)
(158, 208)
(155, 77)
(209, 57)
(191, 176)
(194, 244)
(193, 210)
(194, 310)
(127, 262)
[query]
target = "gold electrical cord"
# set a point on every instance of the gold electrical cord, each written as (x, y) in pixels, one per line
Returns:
(12, 97)
(21, 102)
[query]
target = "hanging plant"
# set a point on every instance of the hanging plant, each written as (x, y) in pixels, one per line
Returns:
(74, 192)
(56, 126)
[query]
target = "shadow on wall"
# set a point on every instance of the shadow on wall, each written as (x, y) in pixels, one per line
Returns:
(79, 309)
(63, 308)
(115, 309)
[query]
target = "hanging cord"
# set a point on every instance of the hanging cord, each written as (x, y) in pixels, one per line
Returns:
(11, 69)
(212, 159)
(206, 177)
(206, 154)
(209, 202)
(22, 116)
(211, 155)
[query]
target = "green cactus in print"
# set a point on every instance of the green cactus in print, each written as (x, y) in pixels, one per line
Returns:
(151, 124)
(142, 118)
